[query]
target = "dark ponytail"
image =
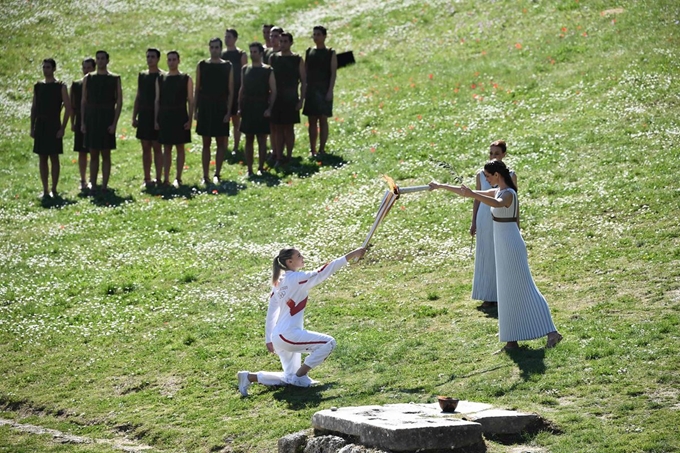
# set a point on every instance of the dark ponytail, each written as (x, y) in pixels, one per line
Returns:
(280, 264)
(497, 166)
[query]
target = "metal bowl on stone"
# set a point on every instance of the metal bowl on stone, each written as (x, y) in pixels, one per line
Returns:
(447, 403)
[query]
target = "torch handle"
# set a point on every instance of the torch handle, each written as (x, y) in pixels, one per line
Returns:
(385, 206)
(413, 189)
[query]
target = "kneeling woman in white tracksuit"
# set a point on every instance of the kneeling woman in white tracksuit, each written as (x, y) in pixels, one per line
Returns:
(284, 332)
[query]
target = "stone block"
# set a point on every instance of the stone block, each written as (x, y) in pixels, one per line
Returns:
(293, 443)
(499, 421)
(325, 444)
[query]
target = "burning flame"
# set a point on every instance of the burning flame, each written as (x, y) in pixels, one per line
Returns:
(393, 186)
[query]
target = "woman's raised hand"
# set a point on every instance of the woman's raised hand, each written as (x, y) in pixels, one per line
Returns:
(356, 254)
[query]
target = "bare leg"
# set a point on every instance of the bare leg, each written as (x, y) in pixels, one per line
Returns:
(94, 167)
(158, 159)
(82, 166)
(56, 168)
(304, 369)
(323, 133)
(205, 157)
(277, 141)
(289, 139)
(44, 172)
(106, 167)
(221, 153)
(250, 140)
(236, 121)
(313, 133)
(146, 160)
(181, 156)
(262, 151)
(167, 162)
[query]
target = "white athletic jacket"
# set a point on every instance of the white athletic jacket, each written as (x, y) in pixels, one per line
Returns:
(287, 302)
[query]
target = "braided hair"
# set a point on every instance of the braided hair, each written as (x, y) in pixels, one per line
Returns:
(280, 264)
(497, 166)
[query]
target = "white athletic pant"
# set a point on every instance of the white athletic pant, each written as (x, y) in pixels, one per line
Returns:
(290, 346)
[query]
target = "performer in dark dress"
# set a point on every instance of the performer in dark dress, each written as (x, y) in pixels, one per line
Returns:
(76, 97)
(47, 126)
(256, 97)
(266, 35)
(143, 117)
(289, 71)
(272, 47)
(321, 65)
(273, 44)
(101, 105)
(174, 107)
(238, 59)
(212, 106)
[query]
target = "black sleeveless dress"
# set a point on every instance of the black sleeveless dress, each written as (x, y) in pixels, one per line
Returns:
(48, 105)
(318, 70)
(172, 113)
(76, 97)
(255, 100)
(287, 73)
(146, 85)
(212, 99)
(235, 57)
(100, 110)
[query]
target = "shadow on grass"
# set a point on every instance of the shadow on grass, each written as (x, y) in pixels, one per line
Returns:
(56, 202)
(230, 188)
(530, 431)
(106, 199)
(489, 312)
(529, 361)
(298, 165)
(473, 373)
(303, 398)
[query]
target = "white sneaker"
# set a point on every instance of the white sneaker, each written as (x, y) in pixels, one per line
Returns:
(303, 381)
(243, 382)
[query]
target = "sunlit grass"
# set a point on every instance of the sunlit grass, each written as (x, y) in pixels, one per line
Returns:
(130, 315)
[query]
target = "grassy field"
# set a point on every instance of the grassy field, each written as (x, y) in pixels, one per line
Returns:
(127, 316)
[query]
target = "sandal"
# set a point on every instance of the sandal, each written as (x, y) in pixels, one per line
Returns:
(553, 340)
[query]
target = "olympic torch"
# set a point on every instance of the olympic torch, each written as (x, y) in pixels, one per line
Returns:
(390, 197)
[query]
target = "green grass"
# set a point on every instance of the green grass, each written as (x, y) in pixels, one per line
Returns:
(130, 315)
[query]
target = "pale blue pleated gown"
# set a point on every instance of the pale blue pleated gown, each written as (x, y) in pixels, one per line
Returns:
(523, 312)
(484, 279)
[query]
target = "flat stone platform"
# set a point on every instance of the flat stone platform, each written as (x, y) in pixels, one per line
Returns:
(420, 427)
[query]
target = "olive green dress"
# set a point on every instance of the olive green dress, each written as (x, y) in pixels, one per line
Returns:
(172, 112)
(212, 99)
(255, 100)
(76, 97)
(48, 105)
(235, 57)
(100, 110)
(318, 70)
(287, 73)
(146, 86)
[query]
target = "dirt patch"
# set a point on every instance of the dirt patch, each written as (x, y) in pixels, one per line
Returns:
(611, 12)
(170, 385)
(65, 438)
(125, 385)
(526, 449)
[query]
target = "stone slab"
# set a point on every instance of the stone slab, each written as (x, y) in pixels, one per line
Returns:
(422, 427)
(500, 421)
(400, 429)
